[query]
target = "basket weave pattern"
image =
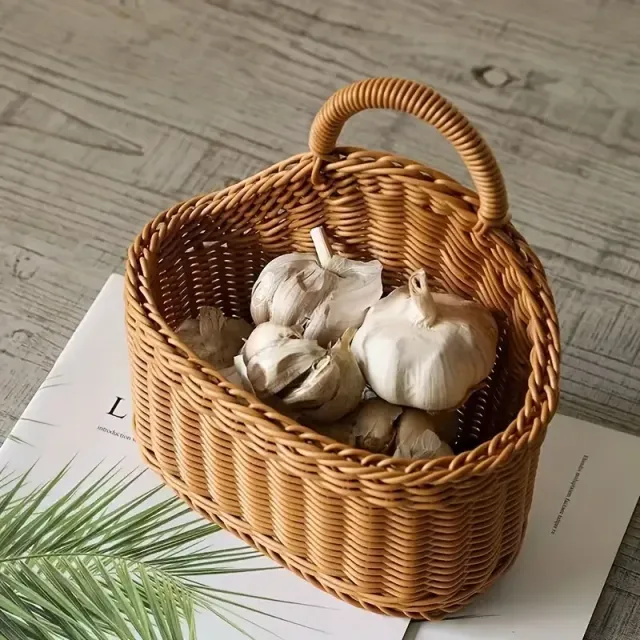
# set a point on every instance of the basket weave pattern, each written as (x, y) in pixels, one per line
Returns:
(416, 538)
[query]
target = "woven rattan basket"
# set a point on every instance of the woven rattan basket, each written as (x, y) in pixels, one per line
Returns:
(410, 538)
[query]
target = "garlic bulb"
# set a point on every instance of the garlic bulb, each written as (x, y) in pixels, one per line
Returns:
(425, 350)
(326, 295)
(374, 425)
(316, 383)
(214, 337)
(371, 426)
(417, 437)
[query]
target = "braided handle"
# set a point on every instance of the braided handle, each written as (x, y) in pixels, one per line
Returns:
(428, 105)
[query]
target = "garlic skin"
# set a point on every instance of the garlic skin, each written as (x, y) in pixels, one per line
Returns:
(308, 380)
(371, 426)
(279, 270)
(275, 356)
(417, 437)
(326, 295)
(375, 425)
(232, 375)
(349, 383)
(214, 337)
(318, 386)
(425, 350)
(238, 374)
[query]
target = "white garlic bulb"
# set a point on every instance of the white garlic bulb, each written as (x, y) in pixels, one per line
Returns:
(214, 337)
(417, 435)
(309, 380)
(425, 350)
(325, 295)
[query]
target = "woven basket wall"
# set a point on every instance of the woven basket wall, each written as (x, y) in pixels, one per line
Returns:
(411, 538)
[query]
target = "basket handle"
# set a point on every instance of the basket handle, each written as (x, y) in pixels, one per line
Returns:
(427, 104)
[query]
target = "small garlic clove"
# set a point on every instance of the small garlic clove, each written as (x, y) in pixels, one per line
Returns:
(416, 437)
(349, 379)
(265, 335)
(276, 366)
(316, 388)
(373, 425)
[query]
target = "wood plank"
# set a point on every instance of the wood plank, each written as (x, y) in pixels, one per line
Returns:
(112, 110)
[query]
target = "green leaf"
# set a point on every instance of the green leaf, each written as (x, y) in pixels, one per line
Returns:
(23, 511)
(14, 438)
(99, 563)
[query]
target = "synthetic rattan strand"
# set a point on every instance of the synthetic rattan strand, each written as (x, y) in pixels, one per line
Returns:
(416, 538)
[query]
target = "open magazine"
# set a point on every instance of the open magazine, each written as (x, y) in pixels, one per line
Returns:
(92, 546)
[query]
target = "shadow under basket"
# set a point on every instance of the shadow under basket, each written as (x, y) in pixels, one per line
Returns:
(413, 538)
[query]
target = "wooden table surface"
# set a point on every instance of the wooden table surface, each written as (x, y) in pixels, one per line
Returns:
(110, 110)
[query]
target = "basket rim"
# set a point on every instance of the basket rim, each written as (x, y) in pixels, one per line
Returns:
(528, 429)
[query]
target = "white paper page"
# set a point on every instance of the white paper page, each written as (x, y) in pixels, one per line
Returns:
(587, 487)
(81, 416)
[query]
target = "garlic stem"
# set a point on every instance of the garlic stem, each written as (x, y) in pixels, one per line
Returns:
(422, 298)
(322, 246)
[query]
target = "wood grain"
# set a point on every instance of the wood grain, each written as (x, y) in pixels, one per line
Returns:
(112, 110)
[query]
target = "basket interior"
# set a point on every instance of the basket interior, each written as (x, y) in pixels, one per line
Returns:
(221, 242)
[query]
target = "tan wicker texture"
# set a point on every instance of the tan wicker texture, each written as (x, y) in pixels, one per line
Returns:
(401, 537)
